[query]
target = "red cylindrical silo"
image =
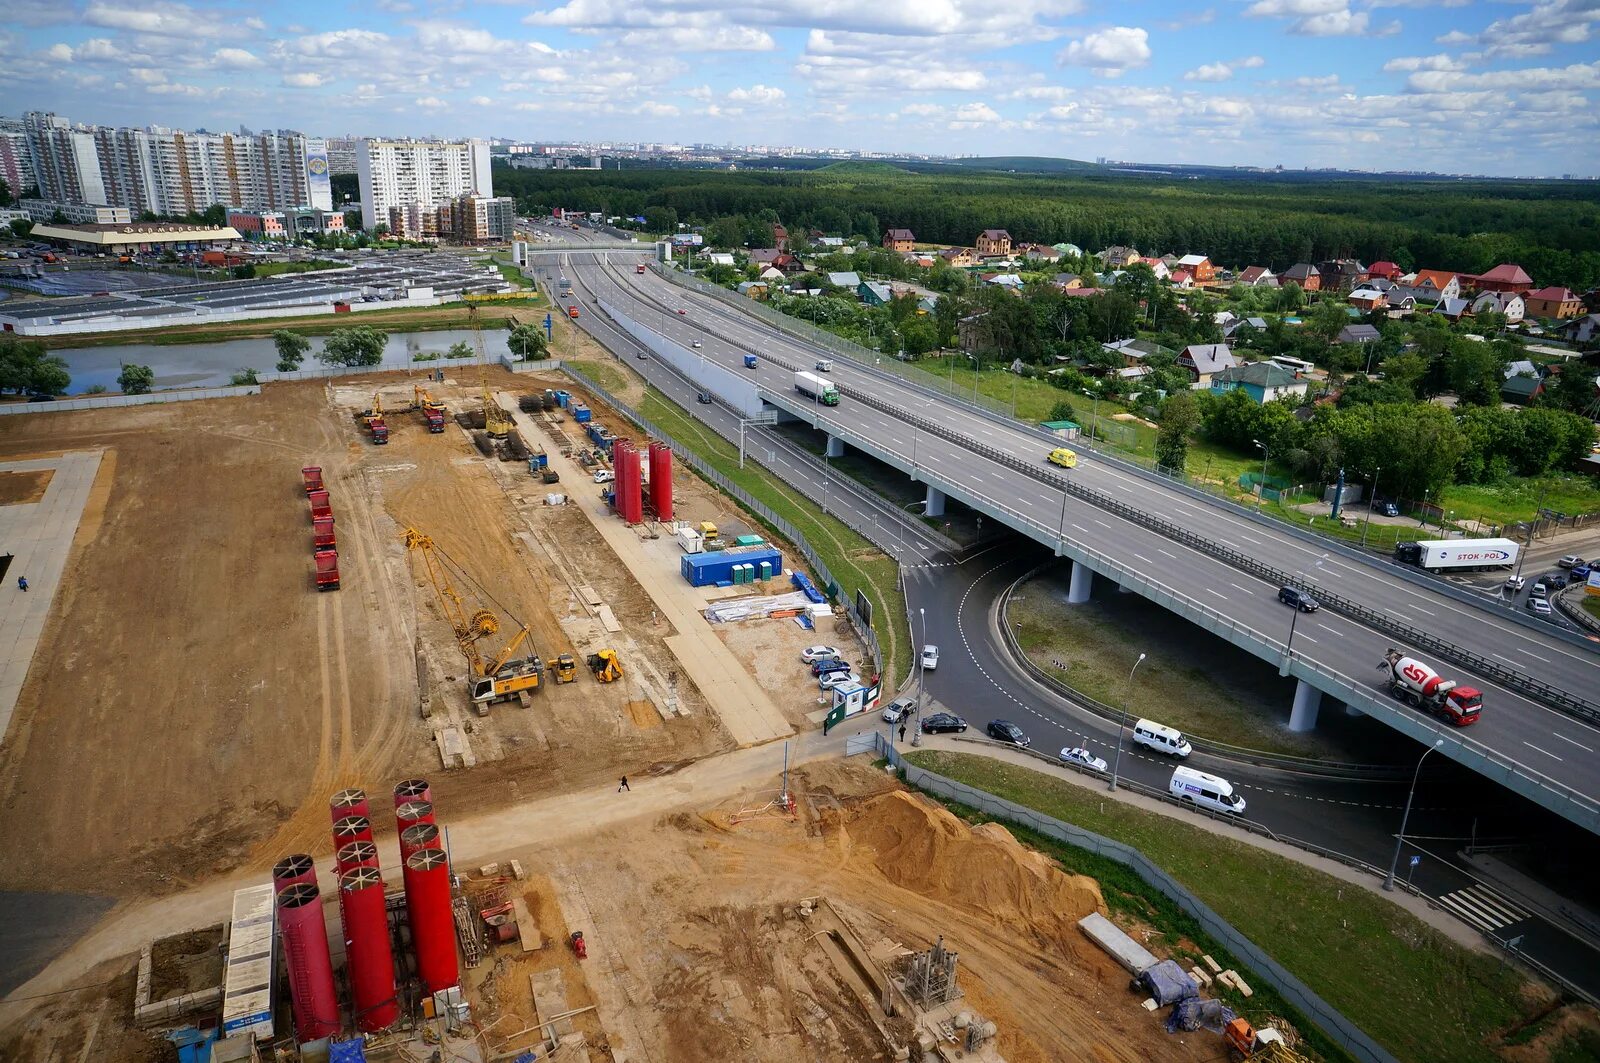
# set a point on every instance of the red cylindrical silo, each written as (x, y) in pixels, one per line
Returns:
(352, 829)
(305, 953)
(356, 854)
(630, 501)
(418, 836)
(433, 931)
(367, 950)
(411, 813)
(350, 802)
(293, 870)
(661, 480)
(412, 790)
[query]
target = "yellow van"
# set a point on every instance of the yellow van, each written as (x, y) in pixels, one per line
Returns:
(1063, 457)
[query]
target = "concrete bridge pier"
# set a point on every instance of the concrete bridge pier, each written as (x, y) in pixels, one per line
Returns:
(1082, 583)
(835, 447)
(1307, 700)
(934, 507)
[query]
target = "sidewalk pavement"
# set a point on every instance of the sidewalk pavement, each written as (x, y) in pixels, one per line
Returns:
(40, 535)
(746, 710)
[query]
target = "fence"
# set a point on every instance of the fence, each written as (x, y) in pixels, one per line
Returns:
(753, 505)
(100, 402)
(1347, 1034)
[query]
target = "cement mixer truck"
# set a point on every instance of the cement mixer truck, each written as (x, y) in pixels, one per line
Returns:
(1421, 687)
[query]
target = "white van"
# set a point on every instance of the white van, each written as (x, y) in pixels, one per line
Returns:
(1161, 738)
(1206, 790)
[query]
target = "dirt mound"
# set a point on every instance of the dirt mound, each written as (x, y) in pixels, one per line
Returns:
(923, 847)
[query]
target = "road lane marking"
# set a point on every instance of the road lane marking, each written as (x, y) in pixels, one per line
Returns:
(1171, 555)
(1247, 539)
(1308, 638)
(1146, 560)
(1546, 752)
(1219, 594)
(1535, 656)
(1081, 528)
(1247, 590)
(1564, 738)
(1100, 522)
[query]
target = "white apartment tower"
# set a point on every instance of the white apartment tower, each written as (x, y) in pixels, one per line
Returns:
(429, 173)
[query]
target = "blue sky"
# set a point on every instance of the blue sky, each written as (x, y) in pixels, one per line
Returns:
(1484, 87)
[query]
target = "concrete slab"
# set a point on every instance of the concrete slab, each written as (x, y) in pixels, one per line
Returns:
(40, 536)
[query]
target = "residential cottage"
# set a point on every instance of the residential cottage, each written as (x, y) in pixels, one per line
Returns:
(1447, 284)
(1199, 267)
(1205, 360)
(1506, 277)
(959, 257)
(1367, 300)
(1262, 381)
(1385, 269)
(1119, 257)
(994, 243)
(1307, 276)
(899, 240)
(1359, 334)
(1258, 277)
(1552, 302)
(1508, 303)
(1341, 274)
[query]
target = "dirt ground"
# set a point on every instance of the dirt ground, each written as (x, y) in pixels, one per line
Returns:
(770, 649)
(194, 701)
(23, 488)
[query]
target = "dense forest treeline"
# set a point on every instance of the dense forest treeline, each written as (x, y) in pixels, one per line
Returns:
(1551, 229)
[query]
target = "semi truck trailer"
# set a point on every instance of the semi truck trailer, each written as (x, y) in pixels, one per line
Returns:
(815, 387)
(1437, 555)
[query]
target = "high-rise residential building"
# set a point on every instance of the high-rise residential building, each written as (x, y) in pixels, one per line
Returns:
(473, 219)
(65, 163)
(399, 174)
(16, 164)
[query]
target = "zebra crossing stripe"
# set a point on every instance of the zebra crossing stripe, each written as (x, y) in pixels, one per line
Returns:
(1483, 908)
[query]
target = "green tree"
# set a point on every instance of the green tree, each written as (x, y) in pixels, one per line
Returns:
(21, 227)
(1180, 416)
(358, 345)
(292, 349)
(26, 369)
(526, 341)
(1291, 297)
(661, 219)
(245, 376)
(459, 349)
(136, 379)
(1063, 411)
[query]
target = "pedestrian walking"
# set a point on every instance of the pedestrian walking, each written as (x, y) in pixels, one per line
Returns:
(623, 785)
(22, 583)
(902, 732)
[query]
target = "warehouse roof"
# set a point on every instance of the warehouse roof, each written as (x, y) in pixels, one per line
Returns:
(154, 232)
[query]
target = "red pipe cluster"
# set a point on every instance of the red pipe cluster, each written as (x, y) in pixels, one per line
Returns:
(661, 480)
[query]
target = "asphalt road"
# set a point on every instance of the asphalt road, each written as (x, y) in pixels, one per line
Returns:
(953, 598)
(1540, 743)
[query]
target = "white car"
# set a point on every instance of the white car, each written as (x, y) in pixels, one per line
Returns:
(696, 344)
(1539, 606)
(604, 476)
(1514, 584)
(930, 657)
(1082, 757)
(899, 709)
(1570, 561)
(819, 653)
(839, 679)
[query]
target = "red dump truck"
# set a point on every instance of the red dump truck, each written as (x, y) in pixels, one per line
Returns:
(327, 570)
(435, 419)
(1419, 686)
(320, 506)
(311, 478)
(322, 537)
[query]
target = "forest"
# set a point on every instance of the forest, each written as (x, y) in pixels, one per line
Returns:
(1551, 229)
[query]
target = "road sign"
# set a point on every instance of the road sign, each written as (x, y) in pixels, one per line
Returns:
(1415, 860)
(548, 335)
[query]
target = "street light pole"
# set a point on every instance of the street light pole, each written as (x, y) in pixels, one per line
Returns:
(1388, 882)
(1261, 490)
(1532, 524)
(1376, 472)
(1123, 722)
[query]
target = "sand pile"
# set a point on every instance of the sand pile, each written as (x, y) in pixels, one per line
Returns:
(923, 847)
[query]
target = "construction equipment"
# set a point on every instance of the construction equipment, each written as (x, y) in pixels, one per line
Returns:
(372, 420)
(566, 669)
(1246, 1042)
(433, 412)
(495, 420)
(605, 666)
(327, 570)
(505, 677)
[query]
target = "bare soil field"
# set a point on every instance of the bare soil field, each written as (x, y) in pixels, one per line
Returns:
(194, 701)
(23, 488)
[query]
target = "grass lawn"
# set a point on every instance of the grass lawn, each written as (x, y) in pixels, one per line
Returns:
(1518, 499)
(1591, 605)
(1421, 995)
(513, 275)
(853, 560)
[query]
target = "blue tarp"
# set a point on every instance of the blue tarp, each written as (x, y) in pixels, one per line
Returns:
(1168, 983)
(353, 1051)
(1194, 1013)
(809, 589)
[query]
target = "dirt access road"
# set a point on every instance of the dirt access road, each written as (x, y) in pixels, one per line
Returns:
(194, 700)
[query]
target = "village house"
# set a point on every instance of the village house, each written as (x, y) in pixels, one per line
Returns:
(1040, 253)
(1199, 267)
(1066, 281)
(1552, 302)
(1258, 277)
(1134, 351)
(1003, 280)
(1367, 300)
(918, 258)
(1341, 274)
(1522, 388)
(1159, 268)
(1508, 303)
(1205, 360)
(875, 293)
(1453, 309)
(1385, 269)
(972, 332)
(1262, 381)
(720, 258)
(1307, 276)
(899, 240)
(1119, 257)
(1181, 278)
(994, 243)
(959, 257)
(1506, 277)
(1243, 328)
(1447, 284)
(849, 280)
(1362, 333)
(780, 237)
(1584, 330)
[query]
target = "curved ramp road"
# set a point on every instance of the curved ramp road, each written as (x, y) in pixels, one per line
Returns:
(1533, 748)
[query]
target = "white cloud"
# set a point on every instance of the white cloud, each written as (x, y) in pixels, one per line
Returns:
(658, 110)
(699, 92)
(305, 79)
(237, 58)
(1423, 62)
(1321, 18)
(1549, 24)
(1455, 37)
(1210, 72)
(60, 53)
(1109, 52)
(339, 44)
(430, 103)
(1579, 76)
(700, 39)
(161, 19)
(756, 94)
(481, 101)
(1199, 18)
(1249, 62)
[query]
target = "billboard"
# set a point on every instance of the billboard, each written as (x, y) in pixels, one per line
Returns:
(319, 189)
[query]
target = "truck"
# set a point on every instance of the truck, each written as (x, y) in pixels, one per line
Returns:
(322, 537)
(311, 478)
(815, 387)
(327, 570)
(320, 506)
(1437, 555)
(1419, 686)
(639, 268)
(379, 429)
(572, 311)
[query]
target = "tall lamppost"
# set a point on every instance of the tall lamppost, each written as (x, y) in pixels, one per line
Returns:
(1123, 723)
(1376, 472)
(1388, 882)
(1261, 490)
(1094, 424)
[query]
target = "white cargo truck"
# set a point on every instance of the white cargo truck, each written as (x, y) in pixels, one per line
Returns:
(1453, 554)
(815, 387)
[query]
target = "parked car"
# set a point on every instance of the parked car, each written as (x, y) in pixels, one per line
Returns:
(930, 657)
(818, 653)
(604, 476)
(829, 664)
(1513, 584)
(1539, 606)
(1007, 732)
(1388, 509)
(899, 709)
(1581, 570)
(1299, 599)
(844, 678)
(942, 723)
(1080, 756)
(1570, 561)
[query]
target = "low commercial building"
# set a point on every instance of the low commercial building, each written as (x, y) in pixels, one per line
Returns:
(137, 236)
(42, 210)
(259, 224)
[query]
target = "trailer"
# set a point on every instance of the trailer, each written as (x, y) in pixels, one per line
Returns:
(320, 506)
(1436, 555)
(322, 536)
(327, 570)
(816, 387)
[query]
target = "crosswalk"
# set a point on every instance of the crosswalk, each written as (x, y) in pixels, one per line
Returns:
(1483, 908)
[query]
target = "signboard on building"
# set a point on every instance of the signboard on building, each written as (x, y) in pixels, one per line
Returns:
(247, 979)
(319, 188)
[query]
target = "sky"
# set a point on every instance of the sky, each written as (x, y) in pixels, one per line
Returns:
(1505, 87)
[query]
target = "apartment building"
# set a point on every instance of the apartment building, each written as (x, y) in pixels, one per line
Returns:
(16, 165)
(398, 174)
(468, 219)
(65, 162)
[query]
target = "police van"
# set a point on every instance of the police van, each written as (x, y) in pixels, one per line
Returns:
(1205, 790)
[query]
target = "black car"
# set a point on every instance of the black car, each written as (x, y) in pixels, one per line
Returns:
(1007, 732)
(1299, 599)
(704, 398)
(942, 723)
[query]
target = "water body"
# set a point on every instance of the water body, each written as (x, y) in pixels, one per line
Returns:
(211, 364)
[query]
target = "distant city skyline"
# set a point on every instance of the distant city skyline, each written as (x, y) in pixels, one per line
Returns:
(1488, 87)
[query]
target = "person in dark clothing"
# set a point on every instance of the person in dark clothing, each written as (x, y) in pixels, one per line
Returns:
(22, 583)
(902, 732)
(623, 785)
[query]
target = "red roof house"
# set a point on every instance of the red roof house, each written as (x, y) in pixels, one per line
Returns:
(1387, 270)
(1506, 277)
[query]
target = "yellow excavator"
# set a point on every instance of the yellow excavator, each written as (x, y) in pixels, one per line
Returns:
(505, 677)
(605, 665)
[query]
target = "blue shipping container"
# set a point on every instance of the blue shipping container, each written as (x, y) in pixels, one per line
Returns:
(730, 566)
(563, 397)
(580, 413)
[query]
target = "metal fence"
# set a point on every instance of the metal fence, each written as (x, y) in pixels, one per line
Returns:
(1332, 1022)
(748, 502)
(100, 402)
